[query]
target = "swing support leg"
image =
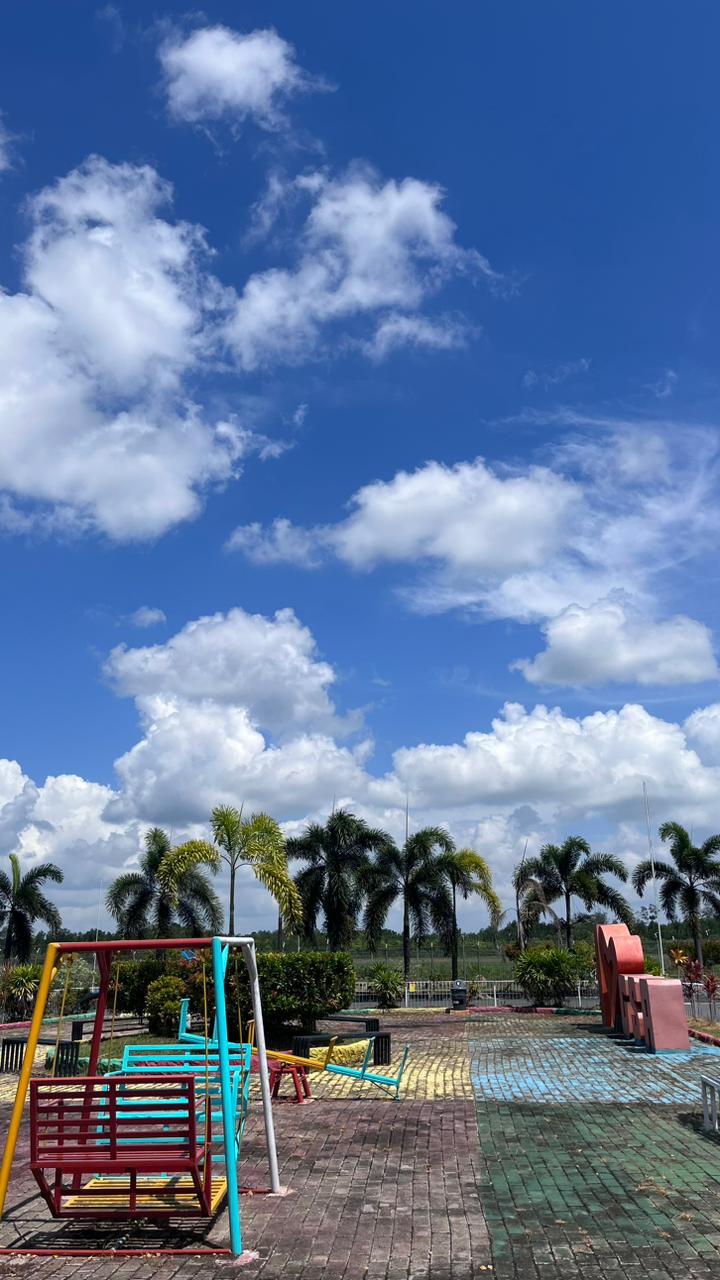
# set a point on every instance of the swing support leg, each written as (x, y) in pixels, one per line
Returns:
(48, 974)
(227, 1111)
(220, 951)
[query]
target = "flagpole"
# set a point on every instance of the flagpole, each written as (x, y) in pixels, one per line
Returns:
(652, 865)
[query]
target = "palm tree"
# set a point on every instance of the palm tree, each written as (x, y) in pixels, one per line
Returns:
(530, 905)
(418, 875)
(22, 902)
(572, 870)
(338, 855)
(167, 888)
(256, 842)
(691, 883)
(467, 872)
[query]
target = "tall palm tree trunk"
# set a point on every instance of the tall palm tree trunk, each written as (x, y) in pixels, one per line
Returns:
(454, 956)
(568, 921)
(697, 938)
(231, 904)
(7, 951)
(406, 941)
(280, 931)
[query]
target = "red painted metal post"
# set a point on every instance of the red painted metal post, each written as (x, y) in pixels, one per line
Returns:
(104, 964)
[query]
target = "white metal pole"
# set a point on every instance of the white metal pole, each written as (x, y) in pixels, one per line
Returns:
(652, 864)
(249, 953)
(248, 949)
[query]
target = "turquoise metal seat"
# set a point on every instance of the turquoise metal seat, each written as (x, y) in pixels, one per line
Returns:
(391, 1083)
(177, 1059)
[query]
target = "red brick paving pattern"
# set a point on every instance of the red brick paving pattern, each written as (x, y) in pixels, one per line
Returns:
(380, 1190)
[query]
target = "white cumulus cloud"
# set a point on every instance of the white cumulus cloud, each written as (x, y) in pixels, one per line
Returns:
(216, 73)
(582, 547)
(267, 666)
(368, 246)
(96, 428)
(282, 543)
(607, 641)
(580, 767)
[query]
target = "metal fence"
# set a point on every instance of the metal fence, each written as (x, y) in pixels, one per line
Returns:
(483, 991)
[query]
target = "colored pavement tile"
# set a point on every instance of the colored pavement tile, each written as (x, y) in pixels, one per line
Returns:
(523, 1147)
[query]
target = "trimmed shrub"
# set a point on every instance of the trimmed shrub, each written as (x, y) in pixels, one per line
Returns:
(163, 1005)
(585, 961)
(295, 988)
(386, 985)
(134, 978)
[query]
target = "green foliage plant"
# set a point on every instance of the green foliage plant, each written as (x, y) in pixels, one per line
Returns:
(163, 1005)
(547, 975)
(296, 988)
(386, 985)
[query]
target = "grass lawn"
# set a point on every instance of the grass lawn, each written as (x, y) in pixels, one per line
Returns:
(703, 1024)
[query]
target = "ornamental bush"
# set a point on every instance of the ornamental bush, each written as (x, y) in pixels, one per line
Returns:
(18, 988)
(548, 975)
(134, 978)
(295, 988)
(163, 1005)
(386, 985)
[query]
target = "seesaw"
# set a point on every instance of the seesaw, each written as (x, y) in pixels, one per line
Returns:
(362, 1074)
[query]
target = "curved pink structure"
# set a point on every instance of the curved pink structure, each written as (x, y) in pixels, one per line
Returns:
(640, 1005)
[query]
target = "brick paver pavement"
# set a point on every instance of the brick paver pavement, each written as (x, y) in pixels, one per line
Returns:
(531, 1148)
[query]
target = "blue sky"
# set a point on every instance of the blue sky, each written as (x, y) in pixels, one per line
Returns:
(377, 360)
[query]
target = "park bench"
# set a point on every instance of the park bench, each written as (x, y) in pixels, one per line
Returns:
(381, 1045)
(203, 1064)
(370, 1025)
(12, 1052)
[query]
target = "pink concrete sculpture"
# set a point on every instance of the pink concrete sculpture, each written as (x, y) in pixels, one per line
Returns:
(663, 1014)
(618, 951)
(642, 1006)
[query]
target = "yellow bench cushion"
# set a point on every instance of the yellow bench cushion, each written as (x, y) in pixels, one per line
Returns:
(346, 1055)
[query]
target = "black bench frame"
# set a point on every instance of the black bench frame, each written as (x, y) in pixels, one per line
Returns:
(381, 1046)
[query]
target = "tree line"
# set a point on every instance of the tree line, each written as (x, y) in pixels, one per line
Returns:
(352, 874)
(687, 884)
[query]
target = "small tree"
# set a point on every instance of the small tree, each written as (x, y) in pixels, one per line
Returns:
(169, 885)
(572, 870)
(467, 872)
(711, 984)
(417, 875)
(337, 856)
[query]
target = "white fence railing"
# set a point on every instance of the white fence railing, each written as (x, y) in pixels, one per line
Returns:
(483, 991)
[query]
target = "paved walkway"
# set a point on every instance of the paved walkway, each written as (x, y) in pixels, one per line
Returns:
(527, 1148)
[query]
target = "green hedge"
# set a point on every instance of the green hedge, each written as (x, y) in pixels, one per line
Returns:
(295, 989)
(549, 974)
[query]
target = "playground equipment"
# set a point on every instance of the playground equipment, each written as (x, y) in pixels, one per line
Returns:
(324, 1062)
(161, 1136)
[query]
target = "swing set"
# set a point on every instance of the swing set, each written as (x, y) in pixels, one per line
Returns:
(160, 1137)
